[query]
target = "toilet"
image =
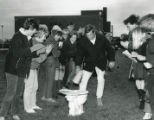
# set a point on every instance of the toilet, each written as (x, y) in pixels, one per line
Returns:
(76, 100)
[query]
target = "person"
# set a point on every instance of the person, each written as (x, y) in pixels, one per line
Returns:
(31, 82)
(136, 65)
(139, 53)
(95, 50)
(131, 22)
(17, 67)
(71, 27)
(51, 64)
(69, 52)
(147, 22)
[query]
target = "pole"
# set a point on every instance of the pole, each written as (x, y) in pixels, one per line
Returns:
(2, 35)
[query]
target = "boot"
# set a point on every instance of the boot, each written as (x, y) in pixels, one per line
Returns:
(142, 99)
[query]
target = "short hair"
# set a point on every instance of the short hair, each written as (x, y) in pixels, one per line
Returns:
(55, 32)
(65, 31)
(44, 28)
(71, 24)
(132, 19)
(147, 22)
(89, 28)
(30, 23)
(72, 33)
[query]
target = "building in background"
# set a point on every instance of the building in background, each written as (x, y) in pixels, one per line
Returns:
(95, 17)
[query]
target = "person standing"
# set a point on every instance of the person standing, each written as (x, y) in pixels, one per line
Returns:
(93, 48)
(51, 64)
(31, 82)
(17, 67)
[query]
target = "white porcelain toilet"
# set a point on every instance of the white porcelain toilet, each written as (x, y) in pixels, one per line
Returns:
(76, 100)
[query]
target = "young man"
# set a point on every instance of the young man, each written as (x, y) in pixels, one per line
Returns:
(69, 52)
(51, 64)
(95, 50)
(17, 67)
(131, 22)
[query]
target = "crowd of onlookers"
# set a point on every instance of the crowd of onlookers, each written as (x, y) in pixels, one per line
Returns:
(49, 60)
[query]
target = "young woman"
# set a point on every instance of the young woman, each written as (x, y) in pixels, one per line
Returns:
(140, 36)
(31, 83)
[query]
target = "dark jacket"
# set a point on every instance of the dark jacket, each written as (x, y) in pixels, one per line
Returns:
(150, 51)
(69, 50)
(19, 56)
(94, 55)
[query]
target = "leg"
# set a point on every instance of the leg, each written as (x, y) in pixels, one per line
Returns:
(66, 74)
(34, 91)
(147, 108)
(16, 102)
(50, 69)
(100, 85)
(29, 83)
(12, 81)
(84, 81)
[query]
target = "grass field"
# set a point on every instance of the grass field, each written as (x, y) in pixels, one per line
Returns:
(120, 101)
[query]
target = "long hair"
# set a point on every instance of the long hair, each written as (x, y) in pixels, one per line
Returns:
(138, 36)
(147, 22)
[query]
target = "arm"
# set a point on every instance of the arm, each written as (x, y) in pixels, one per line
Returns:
(110, 51)
(41, 58)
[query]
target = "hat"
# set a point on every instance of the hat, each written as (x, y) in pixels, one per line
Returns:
(56, 27)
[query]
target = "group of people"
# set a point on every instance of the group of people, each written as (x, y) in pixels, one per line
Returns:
(70, 57)
(140, 49)
(61, 55)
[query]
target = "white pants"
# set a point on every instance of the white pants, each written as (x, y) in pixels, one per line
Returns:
(31, 86)
(100, 84)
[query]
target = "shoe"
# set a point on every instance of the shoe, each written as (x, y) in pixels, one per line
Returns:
(99, 102)
(30, 111)
(147, 116)
(2, 118)
(51, 100)
(37, 108)
(16, 117)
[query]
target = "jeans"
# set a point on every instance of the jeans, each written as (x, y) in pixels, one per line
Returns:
(50, 68)
(12, 97)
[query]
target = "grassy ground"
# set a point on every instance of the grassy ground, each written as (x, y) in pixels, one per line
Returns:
(120, 100)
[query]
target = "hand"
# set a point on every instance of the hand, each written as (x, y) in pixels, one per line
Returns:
(36, 47)
(60, 44)
(147, 65)
(111, 64)
(49, 48)
(134, 54)
(133, 59)
(42, 50)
